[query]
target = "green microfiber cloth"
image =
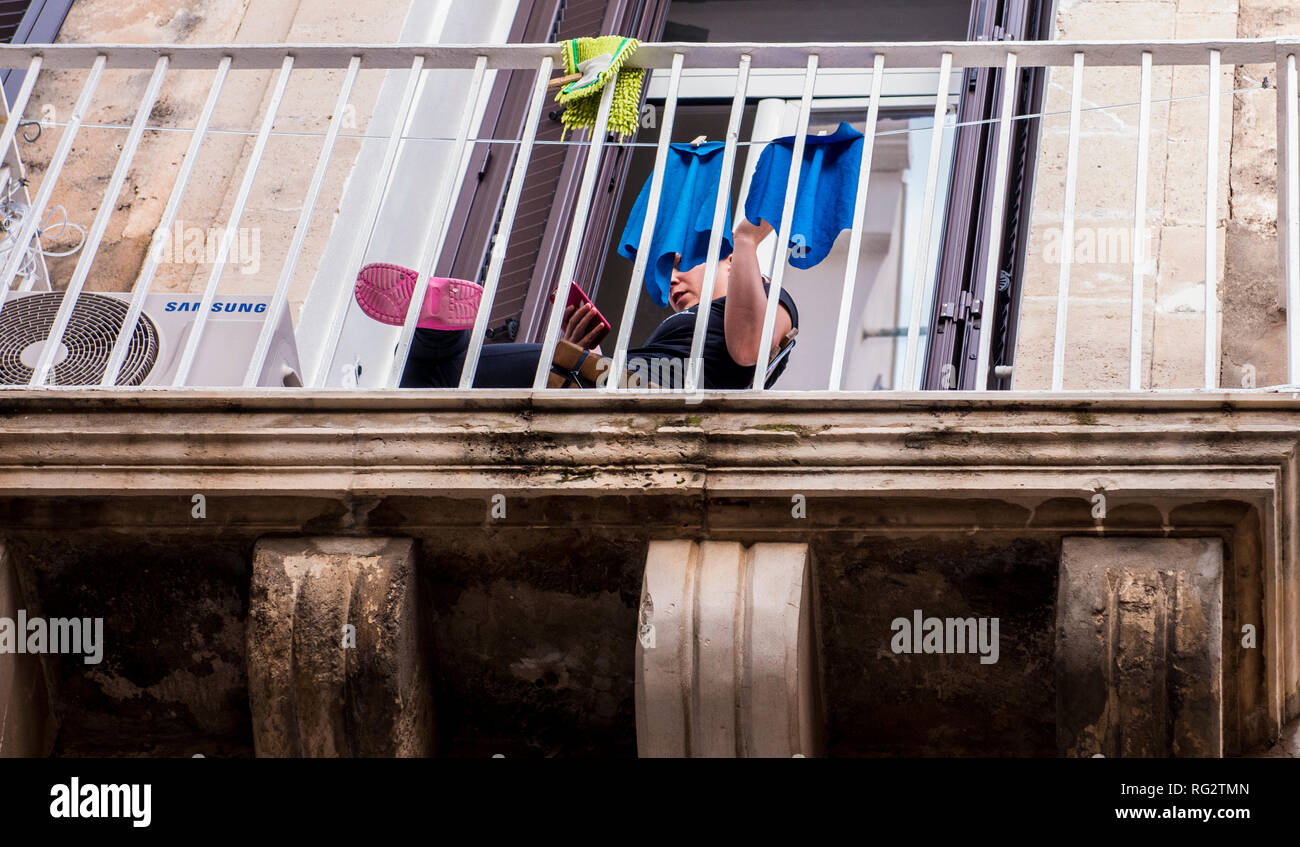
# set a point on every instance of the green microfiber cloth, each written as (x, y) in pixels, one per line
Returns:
(581, 99)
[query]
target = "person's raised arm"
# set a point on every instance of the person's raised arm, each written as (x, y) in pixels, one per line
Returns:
(746, 305)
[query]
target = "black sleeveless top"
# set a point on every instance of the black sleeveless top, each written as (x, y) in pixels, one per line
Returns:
(672, 339)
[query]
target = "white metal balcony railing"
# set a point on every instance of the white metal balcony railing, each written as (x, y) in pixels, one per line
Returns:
(484, 60)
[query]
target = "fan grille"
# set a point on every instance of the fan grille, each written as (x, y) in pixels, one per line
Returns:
(25, 324)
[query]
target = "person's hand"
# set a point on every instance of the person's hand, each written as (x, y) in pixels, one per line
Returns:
(752, 233)
(582, 326)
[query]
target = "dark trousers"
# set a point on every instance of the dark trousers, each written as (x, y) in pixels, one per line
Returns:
(438, 355)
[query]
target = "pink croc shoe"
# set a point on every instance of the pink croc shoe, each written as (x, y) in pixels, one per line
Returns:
(383, 292)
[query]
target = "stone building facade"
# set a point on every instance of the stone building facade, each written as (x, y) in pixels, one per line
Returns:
(296, 572)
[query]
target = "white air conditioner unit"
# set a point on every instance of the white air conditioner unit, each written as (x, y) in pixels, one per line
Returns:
(233, 325)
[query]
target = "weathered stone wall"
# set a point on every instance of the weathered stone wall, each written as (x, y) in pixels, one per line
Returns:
(533, 623)
(533, 609)
(938, 705)
(1097, 349)
(28, 727)
(269, 220)
(172, 680)
(1254, 302)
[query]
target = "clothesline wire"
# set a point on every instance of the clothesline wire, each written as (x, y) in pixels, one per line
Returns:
(650, 144)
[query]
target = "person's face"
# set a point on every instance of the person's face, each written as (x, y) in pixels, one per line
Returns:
(685, 286)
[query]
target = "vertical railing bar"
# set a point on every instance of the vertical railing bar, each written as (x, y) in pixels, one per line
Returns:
(782, 251)
(163, 231)
(576, 232)
(232, 226)
(922, 271)
(997, 213)
(855, 232)
(1212, 227)
(436, 232)
(19, 106)
(1067, 227)
(14, 118)
(90, 249)
(1290, 178)
(496, 262)
(330, 341)
(1139, 228)
(30, 227)
(648, 228)
(272, 318)
(695, 367)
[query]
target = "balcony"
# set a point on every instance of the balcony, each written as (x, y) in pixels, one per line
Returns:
(309, 331)
(527, 527)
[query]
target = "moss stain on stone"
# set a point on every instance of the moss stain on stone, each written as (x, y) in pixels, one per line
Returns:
(1086, 419)
(784, 427)
(693, 420)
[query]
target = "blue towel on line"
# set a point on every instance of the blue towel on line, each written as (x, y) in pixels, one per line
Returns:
(828, 185)
(690, 190)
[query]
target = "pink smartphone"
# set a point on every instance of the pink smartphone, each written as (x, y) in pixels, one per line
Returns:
(578, 297)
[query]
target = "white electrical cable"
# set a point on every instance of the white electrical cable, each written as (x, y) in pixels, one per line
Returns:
(12, 212)
(65, 224)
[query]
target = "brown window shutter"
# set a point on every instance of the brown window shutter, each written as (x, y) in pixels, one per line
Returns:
(478, 205)
(541, 225)
(642, 19)
(957, 315)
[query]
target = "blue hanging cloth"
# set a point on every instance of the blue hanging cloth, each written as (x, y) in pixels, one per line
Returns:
(828, 185)
(690, 190)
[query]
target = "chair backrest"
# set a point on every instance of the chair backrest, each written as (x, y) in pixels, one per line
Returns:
(787, 344)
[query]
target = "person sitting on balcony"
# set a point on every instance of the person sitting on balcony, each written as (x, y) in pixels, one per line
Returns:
(730, 351)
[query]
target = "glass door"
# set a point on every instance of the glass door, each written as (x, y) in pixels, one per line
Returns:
(886, 272)
(886, 276)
